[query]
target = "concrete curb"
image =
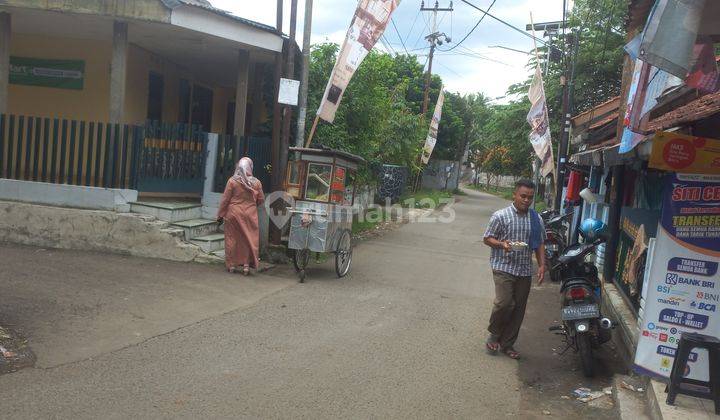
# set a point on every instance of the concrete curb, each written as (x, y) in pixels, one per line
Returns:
(626, 332)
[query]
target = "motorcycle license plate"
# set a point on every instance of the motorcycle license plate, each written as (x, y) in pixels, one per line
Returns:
(580, 312)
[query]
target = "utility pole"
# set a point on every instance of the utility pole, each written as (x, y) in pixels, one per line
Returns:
(289, 74)
(435, 38)
(302, 112)
(566, 114)
(275, 178)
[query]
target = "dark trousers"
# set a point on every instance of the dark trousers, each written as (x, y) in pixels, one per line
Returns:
(511, 295)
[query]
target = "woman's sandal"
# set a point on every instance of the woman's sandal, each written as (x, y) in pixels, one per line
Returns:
(246, 270)
(511, 353)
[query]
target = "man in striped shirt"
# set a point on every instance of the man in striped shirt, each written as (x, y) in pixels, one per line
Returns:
(511, 262)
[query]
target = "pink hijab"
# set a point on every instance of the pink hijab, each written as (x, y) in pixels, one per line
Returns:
(244, 173)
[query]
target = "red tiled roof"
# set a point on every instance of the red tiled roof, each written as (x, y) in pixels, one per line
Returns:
(594, 111)
(698, 109)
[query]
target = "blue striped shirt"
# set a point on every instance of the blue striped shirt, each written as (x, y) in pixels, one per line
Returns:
(509, 225)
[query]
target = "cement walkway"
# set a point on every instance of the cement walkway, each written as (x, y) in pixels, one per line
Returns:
(400, 337)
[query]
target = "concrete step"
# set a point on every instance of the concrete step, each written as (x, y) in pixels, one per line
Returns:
(194, 228)
(169, 211)
(219, 254)
(210, 243)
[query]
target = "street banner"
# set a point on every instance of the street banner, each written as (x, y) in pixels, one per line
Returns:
(540, 124)
(682, 153)
(683, 293)
(62, 74)
(432, 134)
(368, 24)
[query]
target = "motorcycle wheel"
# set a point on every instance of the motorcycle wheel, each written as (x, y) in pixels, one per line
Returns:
(586, 354)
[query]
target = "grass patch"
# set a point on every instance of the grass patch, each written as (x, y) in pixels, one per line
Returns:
(372, 218)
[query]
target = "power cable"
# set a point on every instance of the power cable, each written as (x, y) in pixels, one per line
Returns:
(398, 34)
(412, 26)
(422, 32)
(505, 23)
(473, 29)
(387, 45)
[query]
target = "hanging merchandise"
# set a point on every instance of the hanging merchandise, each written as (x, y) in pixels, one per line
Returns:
(575, 184)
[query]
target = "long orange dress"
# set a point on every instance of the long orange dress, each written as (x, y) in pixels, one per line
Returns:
(242, 232)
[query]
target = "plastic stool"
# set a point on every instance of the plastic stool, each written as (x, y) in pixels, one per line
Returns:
(688, 342)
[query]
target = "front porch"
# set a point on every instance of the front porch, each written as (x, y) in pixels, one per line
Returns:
(82, 79)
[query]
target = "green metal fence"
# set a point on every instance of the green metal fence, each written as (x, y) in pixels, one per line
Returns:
(171, 158)
(66, 151)
(230, 151)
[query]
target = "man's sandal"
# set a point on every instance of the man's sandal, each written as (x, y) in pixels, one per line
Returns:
(511, 353)
(492, 346)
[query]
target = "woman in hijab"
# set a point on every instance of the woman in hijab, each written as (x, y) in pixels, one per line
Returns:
(238, 209)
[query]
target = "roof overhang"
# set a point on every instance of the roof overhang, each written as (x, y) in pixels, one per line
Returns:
(225, 26)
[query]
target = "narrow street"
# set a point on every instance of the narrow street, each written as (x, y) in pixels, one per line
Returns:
(402, 336)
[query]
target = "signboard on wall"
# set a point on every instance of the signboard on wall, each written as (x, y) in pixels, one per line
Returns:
(61, 74)
(687, 154)
(288, 94)
(683, 293)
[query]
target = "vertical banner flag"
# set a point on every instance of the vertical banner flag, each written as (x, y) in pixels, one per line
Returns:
(432, 134)
(368, 24)
(540, 124)
(683, 292)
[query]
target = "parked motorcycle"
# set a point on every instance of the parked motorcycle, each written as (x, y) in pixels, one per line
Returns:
(556, 228)
(583, 326)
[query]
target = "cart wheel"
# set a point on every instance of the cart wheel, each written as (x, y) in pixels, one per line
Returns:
(301, 258)
(343, 255)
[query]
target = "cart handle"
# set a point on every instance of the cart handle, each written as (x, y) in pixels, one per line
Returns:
(309, 211)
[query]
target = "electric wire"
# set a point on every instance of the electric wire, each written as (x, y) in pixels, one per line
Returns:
(505, 23)
(473, 29)
(399, 36)
(412, 26)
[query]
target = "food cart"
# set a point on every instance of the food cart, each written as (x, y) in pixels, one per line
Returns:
(322, 182)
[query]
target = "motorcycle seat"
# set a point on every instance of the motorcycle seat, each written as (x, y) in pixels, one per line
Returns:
(576, 282)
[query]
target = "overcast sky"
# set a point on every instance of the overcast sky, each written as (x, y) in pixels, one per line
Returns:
(462, 69)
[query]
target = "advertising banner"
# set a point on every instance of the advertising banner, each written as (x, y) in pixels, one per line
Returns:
(540, 124)
(368, 24)
(687, 154)
(62, 74)
(432, 134)
(683, 293)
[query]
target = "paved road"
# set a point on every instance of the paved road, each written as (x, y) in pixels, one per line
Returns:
(400, 337)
